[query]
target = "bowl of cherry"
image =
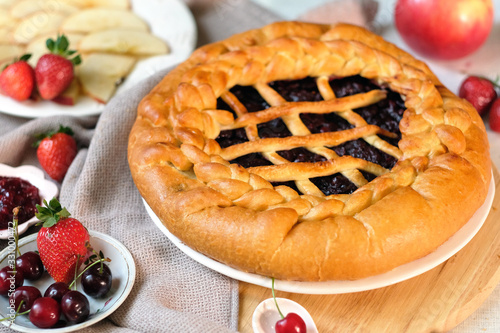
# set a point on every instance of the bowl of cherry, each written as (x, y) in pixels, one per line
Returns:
(45, 305)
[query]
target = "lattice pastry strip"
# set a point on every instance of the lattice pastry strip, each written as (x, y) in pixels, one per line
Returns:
(302, 137)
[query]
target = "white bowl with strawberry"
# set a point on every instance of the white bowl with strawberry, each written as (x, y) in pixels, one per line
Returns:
(66, 277)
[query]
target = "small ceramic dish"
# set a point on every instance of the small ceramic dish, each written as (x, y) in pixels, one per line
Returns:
(122, 267)
(266, 315)
(36, 177)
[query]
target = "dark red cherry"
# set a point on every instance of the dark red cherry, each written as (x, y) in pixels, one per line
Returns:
(31, 265)
(10, 281)
(292, 323)
(45, 312)
(75, 306)
(97, 282)
(27, 294)
(56, 291)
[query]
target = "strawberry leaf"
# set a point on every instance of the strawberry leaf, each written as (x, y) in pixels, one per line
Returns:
(25, 57)
(51, 213)
(60, 46)
(62, 129)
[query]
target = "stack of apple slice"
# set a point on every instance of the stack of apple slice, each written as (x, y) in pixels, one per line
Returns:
(109, 36)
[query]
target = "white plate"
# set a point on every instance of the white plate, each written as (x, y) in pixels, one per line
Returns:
(401, 273)
(170, 20)
(122, 268)
(35, 176)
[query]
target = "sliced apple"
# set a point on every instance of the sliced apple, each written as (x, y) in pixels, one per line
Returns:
(6, 21)
(10, 51)
(97, 19)
(120, 4)
(38, 46)
(5, 36)
(101, 73)
(70, 95)
(7, 3)
(37, 24)
(138, 43)
(26, 8)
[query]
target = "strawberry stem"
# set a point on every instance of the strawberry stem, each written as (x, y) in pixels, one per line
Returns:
(276, 302)
(51, 213)
(60, 46)
(61, 129)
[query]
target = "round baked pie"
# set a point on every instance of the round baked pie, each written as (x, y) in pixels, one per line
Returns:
(309, 152)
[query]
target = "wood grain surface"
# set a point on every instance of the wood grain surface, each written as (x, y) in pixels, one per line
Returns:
(435, 301)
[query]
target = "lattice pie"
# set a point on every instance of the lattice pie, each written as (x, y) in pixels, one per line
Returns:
(309, 152)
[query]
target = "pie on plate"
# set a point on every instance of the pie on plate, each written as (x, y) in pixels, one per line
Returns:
(309, 152)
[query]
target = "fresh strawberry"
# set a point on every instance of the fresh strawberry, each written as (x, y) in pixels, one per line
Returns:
(55, 71)
(62, 241)
(56, 151)
(17, 80)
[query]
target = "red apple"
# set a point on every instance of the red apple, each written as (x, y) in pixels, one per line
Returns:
(444, 29)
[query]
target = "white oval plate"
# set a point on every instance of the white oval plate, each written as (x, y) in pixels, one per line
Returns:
(170, 20)
(266, 315)
(401, 273)
(36, 177)
(122, 268)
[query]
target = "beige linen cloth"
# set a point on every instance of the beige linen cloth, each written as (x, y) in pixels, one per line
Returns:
(172, 293)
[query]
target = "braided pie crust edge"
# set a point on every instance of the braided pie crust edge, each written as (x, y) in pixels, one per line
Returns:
(235, 216)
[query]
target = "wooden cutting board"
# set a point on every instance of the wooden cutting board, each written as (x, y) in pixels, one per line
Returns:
(435, 301)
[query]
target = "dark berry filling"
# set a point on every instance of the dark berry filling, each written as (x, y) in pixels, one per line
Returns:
(16, 192)
(385, 114)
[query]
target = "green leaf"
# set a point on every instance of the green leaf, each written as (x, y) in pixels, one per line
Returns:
(50, 222)
(51, 45)
(63, 44)
(76, 60)
(25, 57)
(51, 213)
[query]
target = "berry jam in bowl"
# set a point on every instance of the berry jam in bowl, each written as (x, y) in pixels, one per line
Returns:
(25, 186)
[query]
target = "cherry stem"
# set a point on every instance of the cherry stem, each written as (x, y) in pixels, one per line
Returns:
(275, 302)
(17, 314)
(86, 268)
(15, 212)
(90, 248)
(76, 269)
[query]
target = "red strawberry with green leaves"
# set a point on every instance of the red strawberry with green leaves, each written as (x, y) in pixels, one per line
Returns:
(17, 80)
(56, 151)
(55, 71)
(62, 241)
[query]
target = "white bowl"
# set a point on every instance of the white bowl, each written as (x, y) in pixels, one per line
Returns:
(122, 268)
(36, 177)
(266, 315)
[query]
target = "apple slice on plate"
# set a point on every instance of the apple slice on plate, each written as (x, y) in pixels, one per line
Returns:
(7, 3)
(10, 51)
(70, 95)
(6, 21)
(120, 4)
(121, 41)
(96, 19)
(5, 36)
(25, 8)
(101, 73)
(37, 24)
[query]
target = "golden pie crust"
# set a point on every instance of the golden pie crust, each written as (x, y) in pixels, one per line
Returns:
(234, 215)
